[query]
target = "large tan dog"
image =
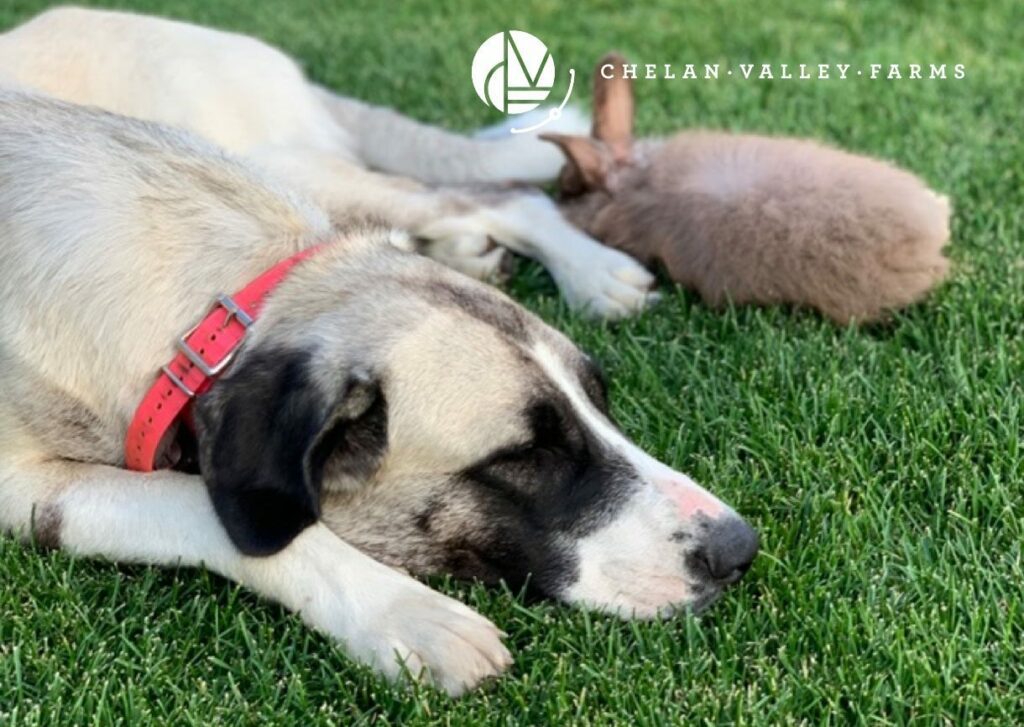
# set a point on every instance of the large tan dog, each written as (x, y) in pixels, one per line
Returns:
(253, 100)
(382, 406)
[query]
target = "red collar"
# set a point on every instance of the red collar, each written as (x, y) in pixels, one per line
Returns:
(203, 353)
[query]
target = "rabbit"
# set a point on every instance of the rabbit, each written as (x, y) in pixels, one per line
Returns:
(754, 219)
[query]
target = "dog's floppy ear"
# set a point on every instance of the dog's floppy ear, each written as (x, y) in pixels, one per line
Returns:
(587, 163)
(265, 434)
(613, 106)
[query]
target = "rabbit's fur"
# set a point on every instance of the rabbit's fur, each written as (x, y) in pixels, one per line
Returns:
(755, 219)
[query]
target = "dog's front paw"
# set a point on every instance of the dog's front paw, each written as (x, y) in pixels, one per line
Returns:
(606, 284)
(385, 619)
(426, 636)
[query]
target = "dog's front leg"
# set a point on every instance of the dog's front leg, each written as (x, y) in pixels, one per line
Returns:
(593, 278)
(383, 618)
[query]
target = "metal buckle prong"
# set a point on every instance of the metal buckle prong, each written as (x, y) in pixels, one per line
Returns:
(178, 382)
(234, 311)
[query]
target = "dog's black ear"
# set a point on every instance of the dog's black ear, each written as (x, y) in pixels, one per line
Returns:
(265, 433)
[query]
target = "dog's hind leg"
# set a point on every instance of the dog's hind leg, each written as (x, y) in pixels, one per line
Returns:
(391, 142)
(383, 618)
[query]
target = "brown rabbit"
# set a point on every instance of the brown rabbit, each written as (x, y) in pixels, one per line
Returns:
(754, 219)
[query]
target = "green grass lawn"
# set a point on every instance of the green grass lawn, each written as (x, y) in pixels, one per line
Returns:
(883, 467)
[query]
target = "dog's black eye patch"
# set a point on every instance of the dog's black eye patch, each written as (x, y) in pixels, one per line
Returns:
(517, 472)
(537, 496)
(561, 480)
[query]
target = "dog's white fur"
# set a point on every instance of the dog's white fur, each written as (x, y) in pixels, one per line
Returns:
(384, 618)
(253, 100)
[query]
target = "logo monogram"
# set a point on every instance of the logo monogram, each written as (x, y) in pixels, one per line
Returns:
(513, 71)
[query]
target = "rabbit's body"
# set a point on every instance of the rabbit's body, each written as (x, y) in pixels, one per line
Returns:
(753, 219)
(756, 219)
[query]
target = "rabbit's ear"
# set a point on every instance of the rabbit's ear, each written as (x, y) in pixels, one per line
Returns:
(586, 163)
(613, 106)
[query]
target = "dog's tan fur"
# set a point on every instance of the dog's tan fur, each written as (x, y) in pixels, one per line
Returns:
(754, 219)
(465, 435)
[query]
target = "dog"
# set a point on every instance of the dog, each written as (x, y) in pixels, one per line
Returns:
(253, 100)
(382, 410)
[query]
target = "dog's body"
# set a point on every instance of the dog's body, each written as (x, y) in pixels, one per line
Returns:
(252, 100)
(425, 418)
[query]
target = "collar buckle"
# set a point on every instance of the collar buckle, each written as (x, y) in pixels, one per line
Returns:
(234, 311)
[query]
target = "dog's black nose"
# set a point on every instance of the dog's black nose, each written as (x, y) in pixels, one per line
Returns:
(728, 550)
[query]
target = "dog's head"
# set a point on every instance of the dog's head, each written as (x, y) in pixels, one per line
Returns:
(440, 427)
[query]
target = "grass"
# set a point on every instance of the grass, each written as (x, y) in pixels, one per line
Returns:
(883, 467)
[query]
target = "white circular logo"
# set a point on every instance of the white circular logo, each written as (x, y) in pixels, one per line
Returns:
(513, 72)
